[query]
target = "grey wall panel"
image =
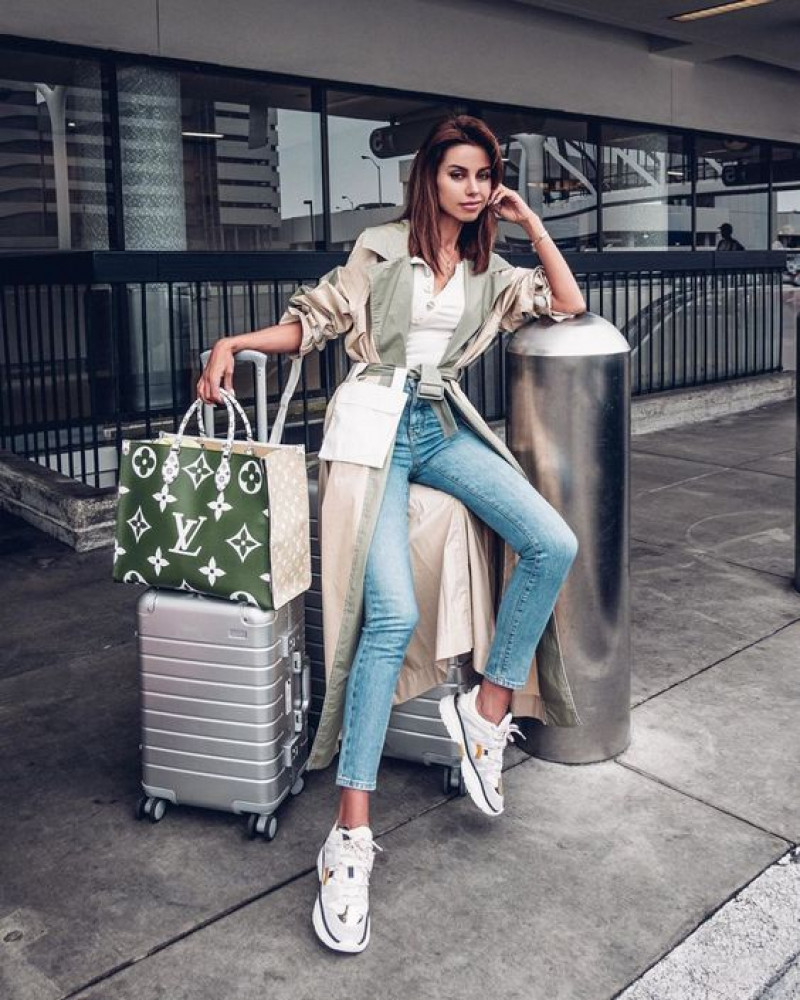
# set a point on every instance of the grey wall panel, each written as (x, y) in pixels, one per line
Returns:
(739, 98)
(131, 26)
(501, 52)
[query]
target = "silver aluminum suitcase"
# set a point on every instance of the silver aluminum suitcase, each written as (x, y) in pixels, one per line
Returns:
(225, 691)
(415, 731)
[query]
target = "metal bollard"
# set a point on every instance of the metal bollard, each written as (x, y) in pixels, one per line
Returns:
(568, 395)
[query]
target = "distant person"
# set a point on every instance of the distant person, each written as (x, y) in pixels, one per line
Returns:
(728, 242)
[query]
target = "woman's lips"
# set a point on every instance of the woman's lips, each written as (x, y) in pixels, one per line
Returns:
(471, 204)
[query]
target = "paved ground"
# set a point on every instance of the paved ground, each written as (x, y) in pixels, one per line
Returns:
(655, 872)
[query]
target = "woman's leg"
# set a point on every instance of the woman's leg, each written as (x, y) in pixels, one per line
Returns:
(390, 617)
(469, 469)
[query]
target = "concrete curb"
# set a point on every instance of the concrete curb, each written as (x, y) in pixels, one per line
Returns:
(748, 945)
(658, 411)
(78, 515)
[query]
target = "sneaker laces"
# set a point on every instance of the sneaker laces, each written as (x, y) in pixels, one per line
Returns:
(493, 754)
(358, 856)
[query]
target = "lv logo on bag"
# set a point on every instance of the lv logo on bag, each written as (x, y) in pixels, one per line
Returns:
(187, 532)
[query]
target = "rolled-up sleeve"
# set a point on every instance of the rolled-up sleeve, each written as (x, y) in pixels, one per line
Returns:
(327, 310)
(529, 295)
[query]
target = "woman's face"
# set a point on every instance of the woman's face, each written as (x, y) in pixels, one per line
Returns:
(464, 182)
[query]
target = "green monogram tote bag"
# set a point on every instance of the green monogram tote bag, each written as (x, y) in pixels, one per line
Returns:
(224, 518)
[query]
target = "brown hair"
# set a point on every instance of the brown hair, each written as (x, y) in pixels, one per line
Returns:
(476, 239)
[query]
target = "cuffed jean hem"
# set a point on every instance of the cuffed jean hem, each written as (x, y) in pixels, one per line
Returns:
(504, 681)
(362, 786)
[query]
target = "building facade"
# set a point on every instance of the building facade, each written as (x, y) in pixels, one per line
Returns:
(193, 162)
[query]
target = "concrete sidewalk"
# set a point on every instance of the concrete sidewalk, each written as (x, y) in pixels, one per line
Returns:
(626, 875)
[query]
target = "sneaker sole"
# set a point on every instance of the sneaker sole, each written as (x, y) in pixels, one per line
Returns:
(322, 929)
(472, 780)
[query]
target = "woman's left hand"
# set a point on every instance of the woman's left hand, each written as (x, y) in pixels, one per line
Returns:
(509, 206)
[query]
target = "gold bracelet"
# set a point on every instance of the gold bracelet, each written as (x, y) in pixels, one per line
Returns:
(539, 239)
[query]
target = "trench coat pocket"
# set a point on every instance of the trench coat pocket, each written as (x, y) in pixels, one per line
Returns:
(363, 422)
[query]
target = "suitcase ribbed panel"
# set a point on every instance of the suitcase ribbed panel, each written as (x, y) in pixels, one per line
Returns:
(214, 791)
(204, 708)
(416, 730)
(166, 739)
(215, 728)
(203, 763)
(242, 694)
(215, 672)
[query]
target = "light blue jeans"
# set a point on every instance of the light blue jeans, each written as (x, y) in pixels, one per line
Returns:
(466, 467)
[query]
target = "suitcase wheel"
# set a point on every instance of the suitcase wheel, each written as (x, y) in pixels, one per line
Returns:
(453, 781)
(152, 808)
(298, 786)
(262, 826)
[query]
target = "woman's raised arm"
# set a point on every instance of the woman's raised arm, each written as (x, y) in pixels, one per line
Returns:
(282, 338)
(566, 295)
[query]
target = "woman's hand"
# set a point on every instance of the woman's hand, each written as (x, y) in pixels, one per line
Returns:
(509, 206)
(219, 369)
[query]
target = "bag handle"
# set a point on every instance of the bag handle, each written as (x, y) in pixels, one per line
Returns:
(171, 465)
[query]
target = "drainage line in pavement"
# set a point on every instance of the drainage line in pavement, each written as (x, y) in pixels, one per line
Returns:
(696, 798)
(709, 666)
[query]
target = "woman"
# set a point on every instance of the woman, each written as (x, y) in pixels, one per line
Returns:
(424, 296)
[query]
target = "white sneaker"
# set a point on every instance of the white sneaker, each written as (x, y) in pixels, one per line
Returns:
(341, 909)
(481, 745)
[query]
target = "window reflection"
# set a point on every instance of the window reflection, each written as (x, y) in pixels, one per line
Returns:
(552, 163)
(647, 191)
(53, 151)
(251, 164)
(371, 145)
(786, 198)
(731, 192)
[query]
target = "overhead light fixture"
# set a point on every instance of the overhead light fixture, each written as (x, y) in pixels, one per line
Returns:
(736, 145)
(722, 8)
(203, 135)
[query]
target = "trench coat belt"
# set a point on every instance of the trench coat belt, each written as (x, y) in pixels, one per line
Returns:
(434, 384)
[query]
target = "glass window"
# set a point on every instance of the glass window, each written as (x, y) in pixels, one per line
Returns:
(53, 154)
(786, 198)
(731, 193)
(372, 141)
(218, 162)
(552, 163)
(647, 191)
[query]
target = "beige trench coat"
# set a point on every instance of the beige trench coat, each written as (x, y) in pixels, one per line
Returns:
(368, 301)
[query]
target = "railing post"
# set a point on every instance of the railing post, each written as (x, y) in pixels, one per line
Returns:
(797, 455)
(568, 391)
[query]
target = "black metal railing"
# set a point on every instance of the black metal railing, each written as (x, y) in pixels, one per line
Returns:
(99, 346)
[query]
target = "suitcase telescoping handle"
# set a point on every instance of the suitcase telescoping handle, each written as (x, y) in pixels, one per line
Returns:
(259, 361)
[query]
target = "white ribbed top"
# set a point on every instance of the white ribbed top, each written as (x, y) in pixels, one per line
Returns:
(433, 317)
